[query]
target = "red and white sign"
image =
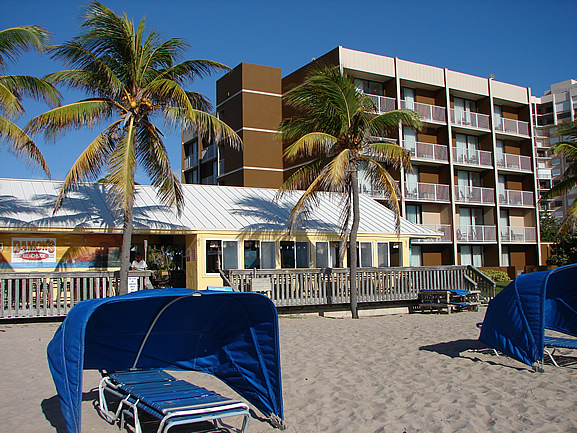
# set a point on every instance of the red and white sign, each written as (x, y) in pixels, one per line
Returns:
(29, 250)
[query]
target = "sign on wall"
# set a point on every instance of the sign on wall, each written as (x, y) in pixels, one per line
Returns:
(33, 250)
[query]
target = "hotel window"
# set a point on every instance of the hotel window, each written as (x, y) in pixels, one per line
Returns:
(268, 254)
(383, 254)
(498, 111)
(463, 110)
(414, 212)
(251, 255)
(408, 96)
(410, 140)
(370, 87)
(467, 148)
(294, 254)
(471, 255)
(505, 260)
(225, 252)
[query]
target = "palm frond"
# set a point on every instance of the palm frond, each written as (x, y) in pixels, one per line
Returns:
(388, 152)
(80, 114)
(89, 164)
(208, 127)
(32, 87)
(16, 40)
(152, 154)
(311, 144)
(383, 123)
(20, 144)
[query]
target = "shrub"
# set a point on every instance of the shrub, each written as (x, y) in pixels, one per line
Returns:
(496, 275)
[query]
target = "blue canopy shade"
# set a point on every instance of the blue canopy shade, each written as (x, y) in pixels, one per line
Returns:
(517, 317)
(233, 336)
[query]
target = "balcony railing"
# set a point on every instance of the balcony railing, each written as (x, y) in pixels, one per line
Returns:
(190, 161)
(510, 126)
(208, 152)
(518, 234)
(476, 233)
(511, 197)
(426, 191)
(544, 173)
(384, 104)
(513, 162)
(428, 113)
(472, 157)
(470, 119)
(428, 151)
(445, 229)
(474, 194)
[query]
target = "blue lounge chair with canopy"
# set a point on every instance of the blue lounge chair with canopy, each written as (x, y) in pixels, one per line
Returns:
(516, 319)
(231, 335)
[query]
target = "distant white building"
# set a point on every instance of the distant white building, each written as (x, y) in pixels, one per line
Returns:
(557, 105)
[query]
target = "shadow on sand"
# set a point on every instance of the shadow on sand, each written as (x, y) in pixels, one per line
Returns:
(53, 413)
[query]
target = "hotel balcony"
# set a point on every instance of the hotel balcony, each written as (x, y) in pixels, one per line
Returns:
(446, 233)
(518, 234)
(476, 233)
(544, 173)
(384, 104)
(428, 113)
(427, 151)
(470, 119)
(426, 191)
(511, 197)
(509, 161)
(190, 161)
(210, 180)
(510, 126)
(474, 194)
(208, 153)
(472, 157)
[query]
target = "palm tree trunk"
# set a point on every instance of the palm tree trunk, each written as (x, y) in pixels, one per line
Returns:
(353, 244)
(125, 249)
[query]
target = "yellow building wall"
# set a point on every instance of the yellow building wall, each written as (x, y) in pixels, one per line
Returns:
(198, 278)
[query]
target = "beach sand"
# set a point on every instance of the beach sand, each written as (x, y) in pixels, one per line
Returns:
(396, 373)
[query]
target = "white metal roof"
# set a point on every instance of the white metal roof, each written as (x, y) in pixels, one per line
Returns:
(28, 204)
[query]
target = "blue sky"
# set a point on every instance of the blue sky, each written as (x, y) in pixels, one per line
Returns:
(528, 43)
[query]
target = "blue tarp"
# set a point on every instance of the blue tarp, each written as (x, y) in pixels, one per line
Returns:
(233, 336)
(517, 317)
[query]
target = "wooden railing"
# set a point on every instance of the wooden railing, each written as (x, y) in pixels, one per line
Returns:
(53, 294)
(315, 287)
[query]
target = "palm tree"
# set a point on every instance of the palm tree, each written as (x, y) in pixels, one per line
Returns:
(567, 149)
(132, 77)
(13, 88)
(337, 132)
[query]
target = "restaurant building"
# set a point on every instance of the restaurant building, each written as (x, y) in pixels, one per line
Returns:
(219, 227)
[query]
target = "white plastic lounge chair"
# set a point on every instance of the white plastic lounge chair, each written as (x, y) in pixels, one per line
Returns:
(174, 402)
(556, 343)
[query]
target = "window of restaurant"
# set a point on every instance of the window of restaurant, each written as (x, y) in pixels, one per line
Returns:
(224, 251)
(251, 255)
(268, 255)
(294, 254)
(383, 254)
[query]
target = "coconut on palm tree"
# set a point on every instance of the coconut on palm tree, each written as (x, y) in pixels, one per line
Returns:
(568, 150)
(133, 78)
(13, 88)
(338, 132)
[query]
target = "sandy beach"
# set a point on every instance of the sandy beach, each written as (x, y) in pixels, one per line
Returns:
(396, 373)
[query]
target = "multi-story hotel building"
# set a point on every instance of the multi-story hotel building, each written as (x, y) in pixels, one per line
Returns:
(474, 161)
(557, 105)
